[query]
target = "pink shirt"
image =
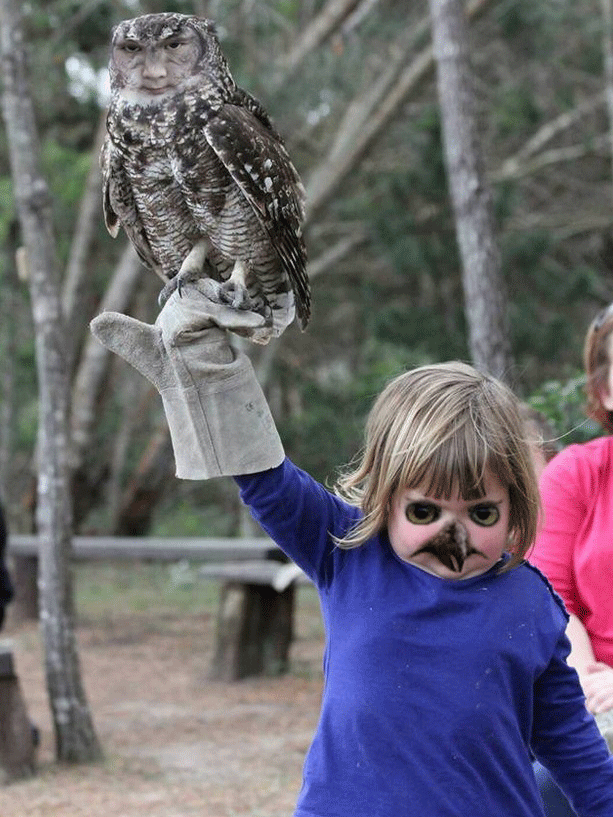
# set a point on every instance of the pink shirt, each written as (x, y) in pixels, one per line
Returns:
(574, 547)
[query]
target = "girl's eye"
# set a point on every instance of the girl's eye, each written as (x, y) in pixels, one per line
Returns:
(485, 515)
(422, 513)
(173, 45)
(132, 48)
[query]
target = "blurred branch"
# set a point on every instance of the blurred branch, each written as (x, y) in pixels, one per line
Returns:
(512, 166)
(86, 224)
(94, 361)
(513, 169)
(367, 116)
(335, 254)
(85, 9)
(355, 18)
(607, 49)
(320, 28)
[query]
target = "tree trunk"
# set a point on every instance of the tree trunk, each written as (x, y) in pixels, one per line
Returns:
(76, 740)
(607, 48)
(485, 302)
(8, 313)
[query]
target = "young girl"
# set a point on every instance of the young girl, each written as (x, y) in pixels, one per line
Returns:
(445, 658)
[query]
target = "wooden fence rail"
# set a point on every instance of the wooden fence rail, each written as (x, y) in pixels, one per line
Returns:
(164, 549)
(23, 548)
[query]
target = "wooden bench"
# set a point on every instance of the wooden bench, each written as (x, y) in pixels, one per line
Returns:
(255, 617)
(17, 750)
(255, 614)
(165, 549)
(23, 549)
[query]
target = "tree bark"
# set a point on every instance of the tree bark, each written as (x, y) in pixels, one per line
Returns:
(8, 318)
(484, 295)
(607, 48)
(76, 739)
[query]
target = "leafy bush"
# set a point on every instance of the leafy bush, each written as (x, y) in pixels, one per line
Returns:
(562, 402)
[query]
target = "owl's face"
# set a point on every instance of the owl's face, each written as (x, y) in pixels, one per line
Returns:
(156, 56)
(453, 538)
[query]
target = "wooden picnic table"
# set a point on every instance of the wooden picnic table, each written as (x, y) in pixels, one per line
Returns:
(256, 601)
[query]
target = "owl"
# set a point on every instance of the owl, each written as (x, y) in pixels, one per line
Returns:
(198, 177)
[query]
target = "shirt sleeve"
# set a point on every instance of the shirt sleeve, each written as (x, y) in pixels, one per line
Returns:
(567, 741)
(300, 515)
(564, 498)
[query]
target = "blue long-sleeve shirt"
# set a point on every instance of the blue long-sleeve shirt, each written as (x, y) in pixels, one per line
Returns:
(437, 692)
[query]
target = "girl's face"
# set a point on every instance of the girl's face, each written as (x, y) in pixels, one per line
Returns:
(451, 538)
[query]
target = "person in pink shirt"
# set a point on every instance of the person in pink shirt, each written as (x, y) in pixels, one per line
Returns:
(574, 547)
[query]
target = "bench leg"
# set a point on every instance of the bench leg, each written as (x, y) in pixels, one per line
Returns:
(16, 738)
(25, 575)
(254, 631)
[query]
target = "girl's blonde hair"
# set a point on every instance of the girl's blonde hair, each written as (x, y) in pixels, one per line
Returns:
(597, 363)
(442, 427)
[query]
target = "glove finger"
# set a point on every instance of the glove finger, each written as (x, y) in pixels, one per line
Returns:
(138, 343)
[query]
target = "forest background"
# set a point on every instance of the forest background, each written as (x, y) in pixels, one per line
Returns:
(356, 101)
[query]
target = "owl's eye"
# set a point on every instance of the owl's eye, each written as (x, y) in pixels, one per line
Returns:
(131, 48)
(422, 513)
(173, 45)
(485, 515)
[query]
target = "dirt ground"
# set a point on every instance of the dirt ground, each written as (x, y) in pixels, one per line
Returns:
(176, 744)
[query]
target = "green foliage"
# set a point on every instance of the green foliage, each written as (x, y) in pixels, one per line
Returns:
(7, 207)
(67, 171)
(516, 107)
(189, 512)
(562, 402)
(329, 430)
(104, 591)
(419, 303)
(533, 27)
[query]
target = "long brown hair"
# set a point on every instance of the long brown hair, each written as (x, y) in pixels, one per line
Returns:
(596, 363)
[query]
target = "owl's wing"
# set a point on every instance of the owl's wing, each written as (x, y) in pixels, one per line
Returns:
(119, 207)
(259, 164)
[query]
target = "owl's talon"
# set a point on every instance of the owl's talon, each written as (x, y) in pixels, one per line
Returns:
(235, 295)
(167, 291)
(178, 283)
(229, 292)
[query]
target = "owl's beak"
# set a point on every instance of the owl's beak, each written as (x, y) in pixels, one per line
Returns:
(451, 546)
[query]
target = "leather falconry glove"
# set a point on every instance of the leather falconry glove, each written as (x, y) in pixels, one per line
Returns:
(220, 423)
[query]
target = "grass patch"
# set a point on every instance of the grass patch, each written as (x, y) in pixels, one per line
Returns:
(105, 589)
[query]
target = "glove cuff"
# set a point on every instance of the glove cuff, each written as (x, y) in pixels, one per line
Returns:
(223, 426)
